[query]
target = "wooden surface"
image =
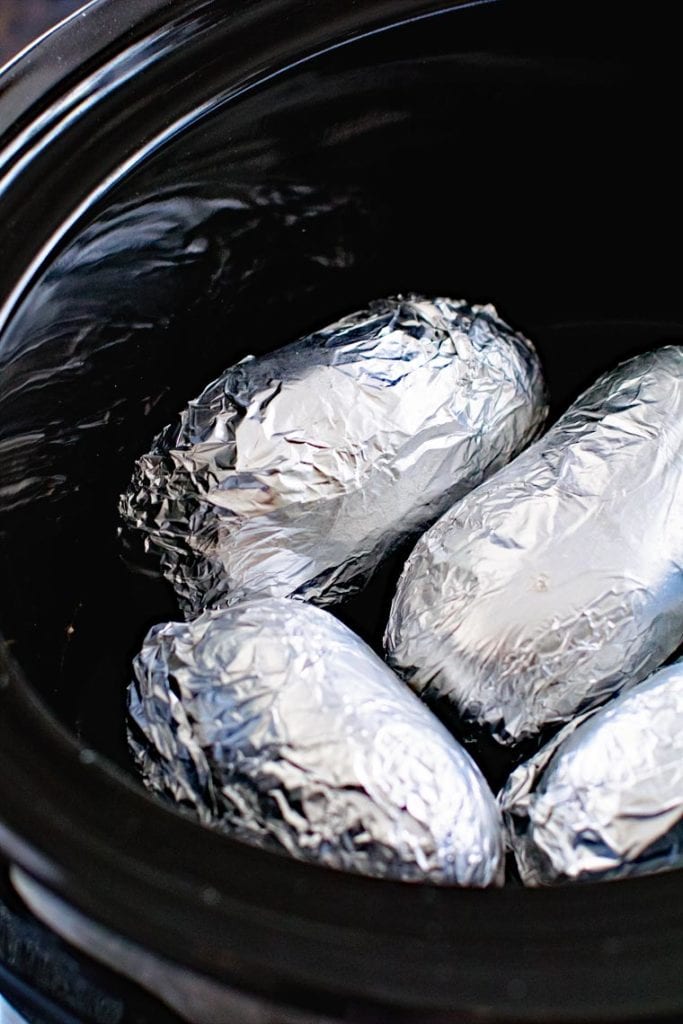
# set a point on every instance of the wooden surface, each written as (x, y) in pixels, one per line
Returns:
(23, 20)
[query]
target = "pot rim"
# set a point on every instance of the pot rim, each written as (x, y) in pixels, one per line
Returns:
(293, 932)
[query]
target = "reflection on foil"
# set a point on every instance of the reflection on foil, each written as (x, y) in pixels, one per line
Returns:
(559, 580)
(274, 722)
(295, 474)
(145, 302)
(604, 799)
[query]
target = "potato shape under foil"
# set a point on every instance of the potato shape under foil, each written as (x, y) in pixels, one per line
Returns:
(275, 723)
(295, 473)
(604, 799)
(545, 590)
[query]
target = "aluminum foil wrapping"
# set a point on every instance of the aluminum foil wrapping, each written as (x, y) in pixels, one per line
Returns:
(274, 722)
(604, 799)
(294, 474)
(559, 580)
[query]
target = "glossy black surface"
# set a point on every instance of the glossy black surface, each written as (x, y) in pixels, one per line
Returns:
(48, 983)
(514, 151)
(22, 21)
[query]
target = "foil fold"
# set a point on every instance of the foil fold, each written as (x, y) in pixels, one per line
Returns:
(558, 581)
(273, 722)
(294, 474)
(604, 799)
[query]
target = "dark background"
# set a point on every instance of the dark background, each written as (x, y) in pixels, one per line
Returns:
(23, 20)
(546, 169)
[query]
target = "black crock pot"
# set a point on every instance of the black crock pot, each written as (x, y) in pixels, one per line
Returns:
(186, 181)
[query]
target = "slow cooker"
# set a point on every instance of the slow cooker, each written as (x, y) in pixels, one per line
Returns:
(183, 182)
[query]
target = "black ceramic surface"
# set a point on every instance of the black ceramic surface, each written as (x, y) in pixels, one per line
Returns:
(22, 21)
(196, 181)
(47, 983)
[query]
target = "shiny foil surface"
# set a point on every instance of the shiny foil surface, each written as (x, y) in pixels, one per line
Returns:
(275, 723)
(295, 473)
(604, 799)
(558, 581)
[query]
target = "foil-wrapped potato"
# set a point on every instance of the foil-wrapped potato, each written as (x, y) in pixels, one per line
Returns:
(544, 591)
(294, 474)
(604, 799)
(275, 723)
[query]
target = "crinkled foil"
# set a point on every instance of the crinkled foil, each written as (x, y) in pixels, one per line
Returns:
(604, 799)
(274, 722)
(558, 580)
(294, 474)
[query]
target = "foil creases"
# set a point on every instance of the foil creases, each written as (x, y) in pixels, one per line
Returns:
(604, 799)
(294, 474)
(272, 721)
(558, 581)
